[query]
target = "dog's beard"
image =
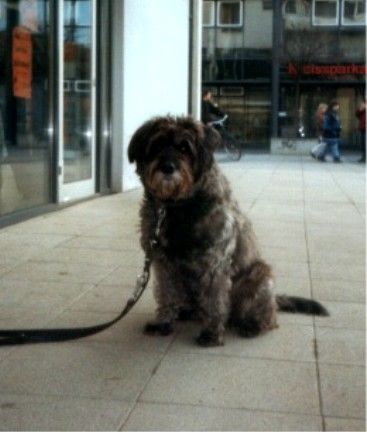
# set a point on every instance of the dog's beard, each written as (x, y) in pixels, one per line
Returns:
(177, 185)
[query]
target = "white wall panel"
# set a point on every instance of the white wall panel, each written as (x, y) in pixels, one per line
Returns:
(155, 63)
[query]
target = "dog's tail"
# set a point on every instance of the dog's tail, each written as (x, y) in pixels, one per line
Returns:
(300, 305)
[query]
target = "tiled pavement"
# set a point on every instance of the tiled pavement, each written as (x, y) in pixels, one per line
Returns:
(78, 265)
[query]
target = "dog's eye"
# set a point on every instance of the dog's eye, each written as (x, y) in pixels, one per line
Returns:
(154, 147)
(184, 147)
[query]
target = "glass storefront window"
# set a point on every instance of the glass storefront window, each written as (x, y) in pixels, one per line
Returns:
(77, 12)
(230, 14)
(290, 7)
(353, 12)
(237, 64)
(317, 50)
(208, 13)
(77, 90)
(296, 14)
(319, 63)
(325, 12)
(25, 146)
(309, 100)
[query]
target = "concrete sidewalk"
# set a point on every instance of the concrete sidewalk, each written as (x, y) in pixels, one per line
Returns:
(78, 266)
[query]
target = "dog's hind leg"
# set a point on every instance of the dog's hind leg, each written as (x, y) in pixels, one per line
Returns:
(253, 302)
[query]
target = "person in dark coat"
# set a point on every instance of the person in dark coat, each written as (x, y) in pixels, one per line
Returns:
(331, 128)
(361, 115)
(209, 111)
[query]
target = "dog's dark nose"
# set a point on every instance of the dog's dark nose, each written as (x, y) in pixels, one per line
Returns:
(167, 167)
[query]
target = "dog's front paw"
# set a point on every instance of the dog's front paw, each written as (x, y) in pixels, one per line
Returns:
(249, 328)
(158, 328)
(208, 338)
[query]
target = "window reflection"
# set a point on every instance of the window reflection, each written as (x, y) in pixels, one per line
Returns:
(25, 151)
(326, 12)
(77, 90)
(77, 12)
(229, 14)
(353, 12)
(237, 64)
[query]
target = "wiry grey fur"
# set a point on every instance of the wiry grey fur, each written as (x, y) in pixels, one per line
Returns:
(207, 264)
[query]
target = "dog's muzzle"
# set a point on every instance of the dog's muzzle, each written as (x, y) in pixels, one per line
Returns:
(167, 167)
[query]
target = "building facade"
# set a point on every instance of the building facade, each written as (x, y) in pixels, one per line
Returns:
(77, 77)
(270, 63)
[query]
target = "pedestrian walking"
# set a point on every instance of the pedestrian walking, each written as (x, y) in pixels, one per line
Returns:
(331, 128)
(319, 148)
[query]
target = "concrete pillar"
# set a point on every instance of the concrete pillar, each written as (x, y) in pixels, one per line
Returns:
(196, 55)
(275, 78)
(150, 72)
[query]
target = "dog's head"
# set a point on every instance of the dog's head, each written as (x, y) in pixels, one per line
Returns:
(171, 155)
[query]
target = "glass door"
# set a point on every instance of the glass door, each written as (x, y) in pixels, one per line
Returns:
(77, 96)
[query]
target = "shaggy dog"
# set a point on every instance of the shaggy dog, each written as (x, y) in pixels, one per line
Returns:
(207, 263)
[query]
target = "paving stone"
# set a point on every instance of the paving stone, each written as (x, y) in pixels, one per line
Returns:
(232, 382)
(343, 315)
(106, 258)
(341, 346)
(39, 413)
(344, 424)
(8, 239)
(343, 390)
(264, 209)
(287, 268)
(338, 256)
(338, 270)
(111, 298)
(339, 290)
(160, 417)
(59, 272)
(332, 213)
(54, 224)
(38, 294)
(274, 254)
(351, 241)
(121, 243)
(75, 369)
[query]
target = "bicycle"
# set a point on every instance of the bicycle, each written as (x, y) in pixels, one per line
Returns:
(231, 145)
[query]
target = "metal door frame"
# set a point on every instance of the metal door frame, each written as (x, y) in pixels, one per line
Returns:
(83, 188)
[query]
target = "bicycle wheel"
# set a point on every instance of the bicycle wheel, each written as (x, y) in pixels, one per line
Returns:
(232, 147)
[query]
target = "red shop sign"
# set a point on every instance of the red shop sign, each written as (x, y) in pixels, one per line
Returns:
(327, 70)
(22, 63)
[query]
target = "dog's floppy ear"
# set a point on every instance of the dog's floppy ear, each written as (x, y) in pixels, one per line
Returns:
(139, 140)
(212, 138)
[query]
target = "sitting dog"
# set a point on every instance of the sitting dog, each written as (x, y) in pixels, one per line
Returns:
(207, 263)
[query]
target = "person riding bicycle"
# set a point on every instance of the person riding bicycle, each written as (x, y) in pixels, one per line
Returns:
(213, 116)
(209, 111)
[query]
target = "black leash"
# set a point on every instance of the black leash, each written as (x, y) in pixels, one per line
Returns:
(28, 336)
